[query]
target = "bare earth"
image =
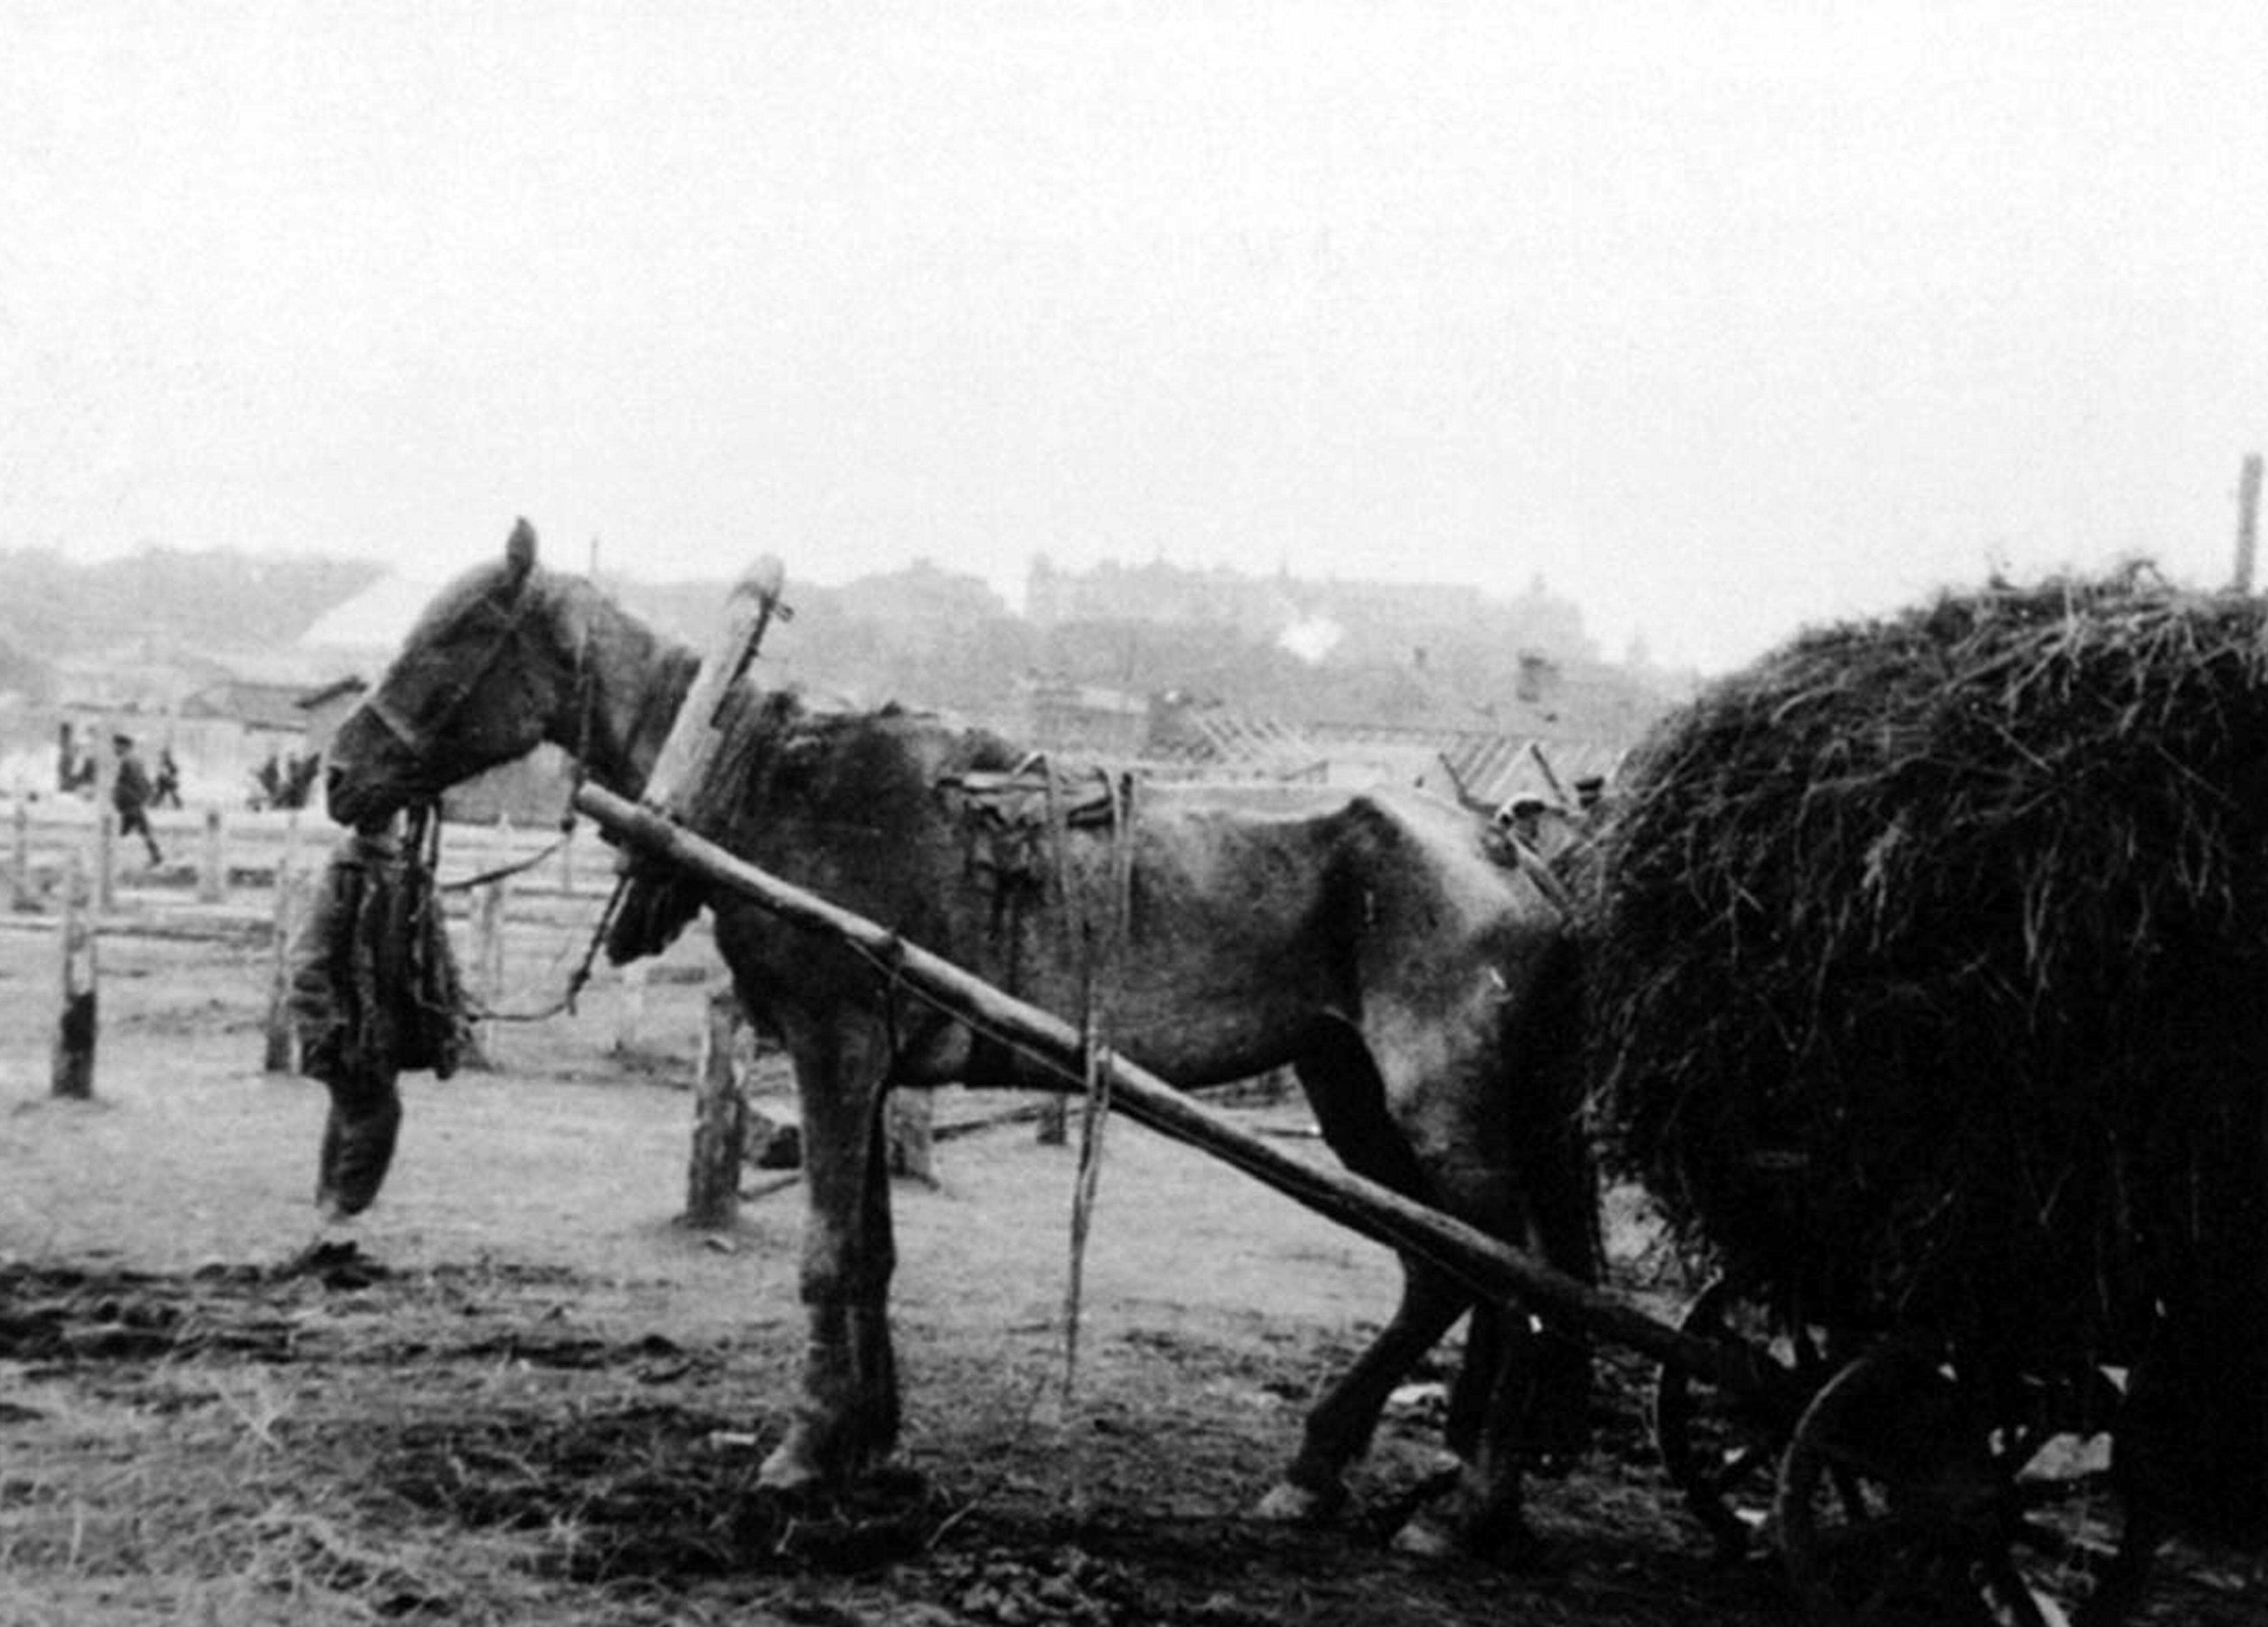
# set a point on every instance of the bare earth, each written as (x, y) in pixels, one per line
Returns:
(529, 1396)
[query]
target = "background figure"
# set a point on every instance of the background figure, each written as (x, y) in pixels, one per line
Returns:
(167, 793)
(75, 768)
(130, 793)
(268, 779)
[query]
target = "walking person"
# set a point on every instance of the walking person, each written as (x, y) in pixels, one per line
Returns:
(129, 793)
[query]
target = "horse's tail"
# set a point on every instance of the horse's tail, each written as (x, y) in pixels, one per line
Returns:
(1560, 1171)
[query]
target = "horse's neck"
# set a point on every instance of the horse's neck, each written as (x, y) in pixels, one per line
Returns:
(636, 679)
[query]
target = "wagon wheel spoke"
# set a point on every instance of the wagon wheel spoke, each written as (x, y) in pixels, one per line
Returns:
(1877, 1503)
(1910, 1578)
(1716, 1447)
(1741, 1467)
(2054, 1544)
(1880, 1539)
(2014, 1602)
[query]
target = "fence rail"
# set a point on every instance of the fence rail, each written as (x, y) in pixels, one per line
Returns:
(221, 865)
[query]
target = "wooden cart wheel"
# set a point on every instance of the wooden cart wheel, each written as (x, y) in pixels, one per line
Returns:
(1722, 1450)
(1903, 1500)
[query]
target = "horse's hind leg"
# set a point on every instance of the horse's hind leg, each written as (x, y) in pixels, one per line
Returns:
(1343, 1090)
(1489, 1406)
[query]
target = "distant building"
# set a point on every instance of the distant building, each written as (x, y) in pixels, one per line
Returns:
(1392, 622)
(1059, 715)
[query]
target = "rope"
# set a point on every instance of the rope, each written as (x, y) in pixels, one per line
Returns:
(1095, 1115)
(577, 980)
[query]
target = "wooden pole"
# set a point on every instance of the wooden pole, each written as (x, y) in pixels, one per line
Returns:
(280, 1053)
(712, 1187)
(20, 860)
(212, 869)
(908, 1126)
(488, 915)
(2248, 520)
(629, 1016)
(106, 857)
(1482, 1262)
(105, 827)
(73, 1070)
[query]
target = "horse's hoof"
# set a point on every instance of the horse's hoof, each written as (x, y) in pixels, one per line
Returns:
(1287, 1504)
(790, 1472)
(1425, 1537)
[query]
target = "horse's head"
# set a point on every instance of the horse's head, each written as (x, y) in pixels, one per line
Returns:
(489, 671)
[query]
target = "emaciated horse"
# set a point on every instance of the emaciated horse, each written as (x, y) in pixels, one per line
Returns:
(1421, 986)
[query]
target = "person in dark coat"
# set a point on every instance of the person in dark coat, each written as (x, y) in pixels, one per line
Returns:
(130, 793)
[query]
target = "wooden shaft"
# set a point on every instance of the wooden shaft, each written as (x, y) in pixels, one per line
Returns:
(1481, 1262)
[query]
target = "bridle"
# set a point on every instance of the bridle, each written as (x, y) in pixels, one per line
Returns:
(416, 739)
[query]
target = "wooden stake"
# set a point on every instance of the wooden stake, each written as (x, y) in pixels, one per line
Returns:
(73, 1071)
(712, 1187)
(908, 1124)
(106, 857)
(629, 1017)
(213, 871)
(20, 860)
(280, 1055)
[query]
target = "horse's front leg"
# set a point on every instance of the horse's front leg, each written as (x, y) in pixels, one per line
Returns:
(846, 1420)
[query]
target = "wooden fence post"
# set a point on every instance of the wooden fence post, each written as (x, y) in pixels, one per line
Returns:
(20, 860)
(213, 871)
(629, 1016)
(106, 857)
(281, 1053)
(909, 1126)
(712, 1187)
(489, 913)
(73, 1071)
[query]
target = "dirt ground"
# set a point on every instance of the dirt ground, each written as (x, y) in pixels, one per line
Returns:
(526, 1394)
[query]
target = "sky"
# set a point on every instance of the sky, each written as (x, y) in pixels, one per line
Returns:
(1720, 318)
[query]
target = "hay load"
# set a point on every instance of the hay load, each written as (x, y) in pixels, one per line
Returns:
(1931, 971)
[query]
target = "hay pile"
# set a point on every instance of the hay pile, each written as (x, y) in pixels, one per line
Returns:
(1931, 971)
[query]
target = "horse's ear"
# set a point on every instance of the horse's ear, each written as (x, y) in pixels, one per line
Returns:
(519, 552)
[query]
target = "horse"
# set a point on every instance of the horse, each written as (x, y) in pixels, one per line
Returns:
(1422, 988)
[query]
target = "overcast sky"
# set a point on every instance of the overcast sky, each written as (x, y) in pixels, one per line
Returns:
(1719, 318)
